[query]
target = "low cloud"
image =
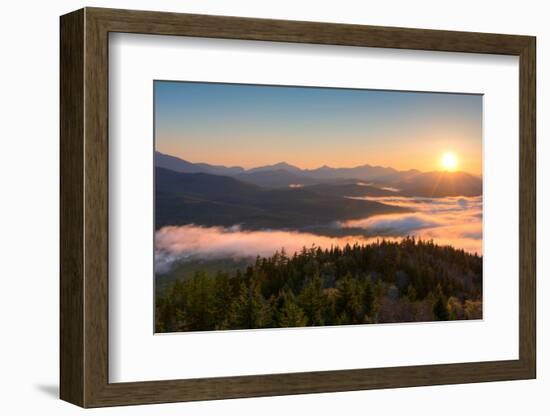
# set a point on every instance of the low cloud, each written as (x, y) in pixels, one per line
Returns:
(174, 243)
(455, 221)
(385, 188)
(405, 223)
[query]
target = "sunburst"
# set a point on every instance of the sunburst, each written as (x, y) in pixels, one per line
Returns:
(449, 161)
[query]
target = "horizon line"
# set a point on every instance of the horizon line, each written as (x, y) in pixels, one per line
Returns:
(317, 168)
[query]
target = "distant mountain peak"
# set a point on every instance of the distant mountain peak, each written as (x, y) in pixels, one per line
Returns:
(276, 166)
(181, 165)
(284, 165)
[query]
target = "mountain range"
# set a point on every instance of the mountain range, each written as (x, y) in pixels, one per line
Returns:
(362, 180)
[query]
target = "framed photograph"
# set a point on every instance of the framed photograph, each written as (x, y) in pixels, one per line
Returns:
(255, 207)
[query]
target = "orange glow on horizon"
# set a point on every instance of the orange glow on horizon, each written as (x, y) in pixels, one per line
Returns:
(400, 159)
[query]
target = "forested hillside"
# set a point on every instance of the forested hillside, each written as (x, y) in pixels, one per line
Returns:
(205, 199)
(409, 281)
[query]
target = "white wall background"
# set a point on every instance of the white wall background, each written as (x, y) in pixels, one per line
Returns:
(29, 158)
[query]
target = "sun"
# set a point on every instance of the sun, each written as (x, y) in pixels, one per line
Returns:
(449, 161)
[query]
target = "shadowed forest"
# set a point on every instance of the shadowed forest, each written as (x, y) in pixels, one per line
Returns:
(383, 282)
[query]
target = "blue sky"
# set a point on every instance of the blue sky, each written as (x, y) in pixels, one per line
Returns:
(253, 125)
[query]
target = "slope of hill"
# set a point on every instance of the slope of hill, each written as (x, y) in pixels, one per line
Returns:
(350, 189)
(200, 185)
(365, 173)
(204, 199)
(440, 184)
(179, 165)
(385, 282)
(279, 178)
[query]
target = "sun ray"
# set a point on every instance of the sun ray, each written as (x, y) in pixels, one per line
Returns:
(449, 161)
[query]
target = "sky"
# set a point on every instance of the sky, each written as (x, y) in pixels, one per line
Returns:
(257, 125)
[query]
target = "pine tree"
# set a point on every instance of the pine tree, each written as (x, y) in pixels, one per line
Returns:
(223, 296)
(249, 310)
(313, 301)
(350, 300)
(291, 315)
(440, 306)
(198, 312)
(368, 298)
(411, 293)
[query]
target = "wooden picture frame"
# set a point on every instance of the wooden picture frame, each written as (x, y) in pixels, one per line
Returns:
(84, 207)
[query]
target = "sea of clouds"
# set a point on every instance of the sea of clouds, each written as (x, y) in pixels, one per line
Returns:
(455, 221)
(191, 241)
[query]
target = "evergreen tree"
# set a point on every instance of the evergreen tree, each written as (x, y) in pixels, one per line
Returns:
(368, 298)
(411, 293)
(249, 310)
(223, 297)
(440, 306)
(350, 300)
(291, 315)
(198, 313)
(440, 310)
(411, 280)
(313, 301)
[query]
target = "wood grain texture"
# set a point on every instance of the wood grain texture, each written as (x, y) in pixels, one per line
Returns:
(162, 23)
(84, 207)
(71, 205)
(527, 207)
(96, 220)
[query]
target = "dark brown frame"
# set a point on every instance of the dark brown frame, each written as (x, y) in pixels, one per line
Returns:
(84, 212)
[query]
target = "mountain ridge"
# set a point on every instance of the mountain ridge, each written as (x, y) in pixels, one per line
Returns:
(410, 182)
(208, 200)
(161, 157)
